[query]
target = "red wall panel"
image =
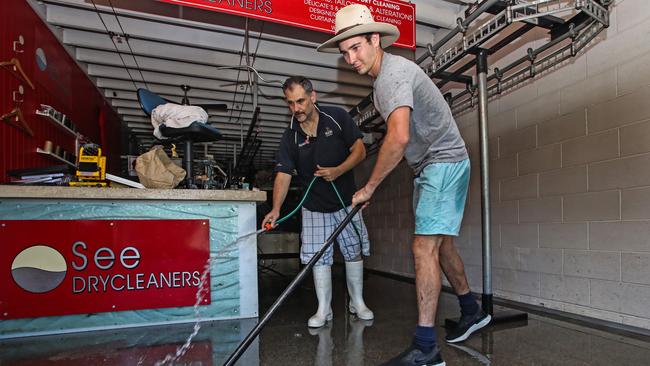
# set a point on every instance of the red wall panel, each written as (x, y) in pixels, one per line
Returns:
(62, 84)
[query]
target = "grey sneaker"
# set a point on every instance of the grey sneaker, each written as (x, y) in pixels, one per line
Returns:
(467, 325)
(414, 357)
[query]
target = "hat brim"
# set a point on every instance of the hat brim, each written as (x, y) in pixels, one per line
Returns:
(388, 32)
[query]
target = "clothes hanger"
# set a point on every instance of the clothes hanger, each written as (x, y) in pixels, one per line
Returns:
(17, 69)
(18, 115)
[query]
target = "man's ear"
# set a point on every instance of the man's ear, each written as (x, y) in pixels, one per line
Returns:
(313, 96)
(375, 39)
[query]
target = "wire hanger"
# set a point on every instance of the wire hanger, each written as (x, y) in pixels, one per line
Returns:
(17, 70)
(18, 122)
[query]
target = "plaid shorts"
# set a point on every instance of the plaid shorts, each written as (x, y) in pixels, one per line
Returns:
(318, 226)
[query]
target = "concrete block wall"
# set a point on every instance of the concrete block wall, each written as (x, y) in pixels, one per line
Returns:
(389, 219)
(570, 184)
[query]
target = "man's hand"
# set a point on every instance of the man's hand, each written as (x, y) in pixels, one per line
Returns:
(329, 174)
(362, 196)
(270, 218)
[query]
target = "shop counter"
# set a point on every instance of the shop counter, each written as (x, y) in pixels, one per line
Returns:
(79, 259)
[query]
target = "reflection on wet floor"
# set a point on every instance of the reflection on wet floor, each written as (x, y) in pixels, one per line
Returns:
(345, 341)
(133, 346)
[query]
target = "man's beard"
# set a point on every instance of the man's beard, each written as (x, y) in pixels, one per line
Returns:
(301, 117)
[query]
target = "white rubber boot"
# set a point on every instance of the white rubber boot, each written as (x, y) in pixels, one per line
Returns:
(354, 277)
(323, 285)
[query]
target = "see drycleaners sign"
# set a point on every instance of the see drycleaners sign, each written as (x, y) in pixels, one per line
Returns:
(316, 15)
(61, 267)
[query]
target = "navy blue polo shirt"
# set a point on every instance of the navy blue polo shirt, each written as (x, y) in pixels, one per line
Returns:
(299, 155)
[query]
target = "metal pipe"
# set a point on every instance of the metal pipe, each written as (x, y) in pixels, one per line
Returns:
(292, 286)
(521, 60)
(570, 33)
(481, 69)
(433, 48)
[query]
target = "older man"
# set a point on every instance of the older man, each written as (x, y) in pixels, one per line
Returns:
(323, 142)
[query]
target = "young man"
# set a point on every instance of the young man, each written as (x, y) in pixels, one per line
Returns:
(421, 128)
(323, 142)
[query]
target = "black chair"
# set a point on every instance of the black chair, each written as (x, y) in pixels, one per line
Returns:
(194, 133)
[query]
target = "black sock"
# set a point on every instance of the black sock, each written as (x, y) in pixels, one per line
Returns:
(468, 304)
(425, 338)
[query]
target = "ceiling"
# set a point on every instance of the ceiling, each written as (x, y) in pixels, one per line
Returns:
(161, 46)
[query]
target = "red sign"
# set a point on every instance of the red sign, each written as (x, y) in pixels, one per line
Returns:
(60, 267)
(317, 15)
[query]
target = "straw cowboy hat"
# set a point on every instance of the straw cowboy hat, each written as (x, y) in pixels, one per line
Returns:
(354, 20)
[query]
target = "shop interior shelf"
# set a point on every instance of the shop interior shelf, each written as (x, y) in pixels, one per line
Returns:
(54, 156)
(59, 124)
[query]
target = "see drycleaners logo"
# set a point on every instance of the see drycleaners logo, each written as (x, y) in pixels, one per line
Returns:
(39, 269)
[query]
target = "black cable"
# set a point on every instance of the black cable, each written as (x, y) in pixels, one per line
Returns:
(255, 56)
(126, 37)
(110, 35)
(257, 47)
(234, 97)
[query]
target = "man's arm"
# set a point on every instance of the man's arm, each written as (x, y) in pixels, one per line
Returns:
(390, 153)
(280, 189)
(357, 154)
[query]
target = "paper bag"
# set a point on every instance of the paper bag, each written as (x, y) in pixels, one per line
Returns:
(156, 170)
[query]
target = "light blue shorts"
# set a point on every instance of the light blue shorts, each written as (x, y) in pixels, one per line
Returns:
(439, 195)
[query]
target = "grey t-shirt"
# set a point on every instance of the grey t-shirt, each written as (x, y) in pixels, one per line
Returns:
(433, 134)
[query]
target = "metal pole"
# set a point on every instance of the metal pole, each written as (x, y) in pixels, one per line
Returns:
(292, 286)
(481, 70)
